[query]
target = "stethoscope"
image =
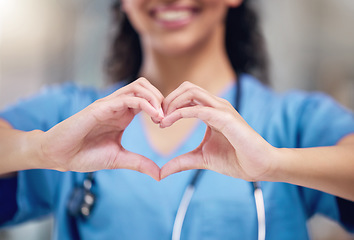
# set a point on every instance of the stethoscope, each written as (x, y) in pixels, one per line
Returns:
(189, 191)
(82, 199)
(187, 197)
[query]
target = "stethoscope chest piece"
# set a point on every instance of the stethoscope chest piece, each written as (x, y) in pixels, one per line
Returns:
(82, 199)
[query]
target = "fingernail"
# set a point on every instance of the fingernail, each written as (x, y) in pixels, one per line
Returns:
(161, 112)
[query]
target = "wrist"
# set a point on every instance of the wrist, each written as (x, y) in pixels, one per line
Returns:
(274, 168)
(283, 165)
(32, 150)
(42, 150)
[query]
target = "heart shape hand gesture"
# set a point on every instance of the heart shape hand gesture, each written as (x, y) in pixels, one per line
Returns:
(91, 139)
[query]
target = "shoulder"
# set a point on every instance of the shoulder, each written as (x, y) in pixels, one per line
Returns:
(68, 90)
(77, 92)
(264, 96)
(295, 118)
(258, 93)
(56, 94)
(49, 106)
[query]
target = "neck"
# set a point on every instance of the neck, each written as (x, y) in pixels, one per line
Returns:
(206, 65)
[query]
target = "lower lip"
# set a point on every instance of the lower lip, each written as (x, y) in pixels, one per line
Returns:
(175, 24)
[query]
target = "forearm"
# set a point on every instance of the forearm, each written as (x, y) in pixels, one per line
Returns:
(329, 169)
(18, 150)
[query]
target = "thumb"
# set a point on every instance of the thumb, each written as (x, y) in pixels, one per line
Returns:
(137, 162)
(187, 161)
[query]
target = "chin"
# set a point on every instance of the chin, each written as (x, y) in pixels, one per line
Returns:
(175, 50)
(177, 46)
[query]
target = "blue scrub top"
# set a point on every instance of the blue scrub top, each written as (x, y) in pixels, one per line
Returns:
(131, 205)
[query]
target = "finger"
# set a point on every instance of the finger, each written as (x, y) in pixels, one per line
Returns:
(141, 91)
(191, 97)
(187, 161)
(142, 88)
(127, 88)
(137, 162)
(139, 104)
(198, 111)
(122, 103)
(226, 121)
(144, 82)
(155, 120)
(178, 91)
(158, 95)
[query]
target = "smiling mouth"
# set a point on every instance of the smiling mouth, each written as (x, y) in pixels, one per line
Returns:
(173, 17)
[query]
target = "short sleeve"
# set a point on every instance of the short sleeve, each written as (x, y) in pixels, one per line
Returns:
(34, 196)
(8, 189)
(323, 122)
(51, 106)
(34, 190)
(299, 119)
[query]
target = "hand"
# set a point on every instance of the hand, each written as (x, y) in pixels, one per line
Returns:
(230, 145)
(91, 139)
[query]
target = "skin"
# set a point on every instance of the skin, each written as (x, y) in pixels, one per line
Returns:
(181, 65)
(233, 148)
(194, 52)
(87, 141)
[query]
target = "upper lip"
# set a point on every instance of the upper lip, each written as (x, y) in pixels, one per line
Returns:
(171, 7)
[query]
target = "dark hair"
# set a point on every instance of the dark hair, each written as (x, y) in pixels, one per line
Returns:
(244, 45)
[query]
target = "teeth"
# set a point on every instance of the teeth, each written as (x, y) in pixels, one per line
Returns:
(173, 15)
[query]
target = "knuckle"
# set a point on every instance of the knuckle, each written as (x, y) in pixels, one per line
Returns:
(226, 121)
(206, 163)
(139, 104)
(134, 87)
(98, 102)
(179, 113)
(139, 166)
(194, 89)
(228, 117)
(111, 162)
(186, 84)
(179, 164)
(200, 109)
(142, 80)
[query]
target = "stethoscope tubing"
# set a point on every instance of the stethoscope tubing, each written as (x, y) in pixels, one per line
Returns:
(189, 191)
(261, 218)
(187, 197)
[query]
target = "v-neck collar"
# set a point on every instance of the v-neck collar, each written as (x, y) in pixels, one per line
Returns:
(178, 149)
(191, 140)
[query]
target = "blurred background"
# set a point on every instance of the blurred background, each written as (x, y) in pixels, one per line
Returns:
(310, 44)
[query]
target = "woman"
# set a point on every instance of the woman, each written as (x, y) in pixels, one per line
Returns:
(284, 141)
